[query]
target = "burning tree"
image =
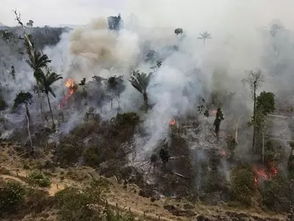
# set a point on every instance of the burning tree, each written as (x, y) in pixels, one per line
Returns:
(254, 80)
(140, 81)
(25, 99)
(71, 86)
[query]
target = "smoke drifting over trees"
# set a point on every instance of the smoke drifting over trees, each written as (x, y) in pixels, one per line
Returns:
(188, 61)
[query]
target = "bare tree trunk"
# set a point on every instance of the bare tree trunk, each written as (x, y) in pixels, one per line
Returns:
(145, 96)
(262, 152)
(41, 104)
(29, 127)
(118, 103)
(237, 130)
(254, 117)
(51, 112)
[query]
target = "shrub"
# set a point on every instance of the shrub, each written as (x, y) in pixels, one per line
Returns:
(127, 119)
(243, 186)
(111, 215)
(39, 179)
(68, 153)
(276, 194)
(37, 201)
(75, 204)
(11, 196)
(92, 157)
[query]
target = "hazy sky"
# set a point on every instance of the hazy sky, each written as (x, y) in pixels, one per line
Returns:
(56, 12)
(176, 12)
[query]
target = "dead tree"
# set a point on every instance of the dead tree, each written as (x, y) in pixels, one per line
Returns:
(254, 80)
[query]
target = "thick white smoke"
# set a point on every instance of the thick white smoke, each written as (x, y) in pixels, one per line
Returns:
(241, 40)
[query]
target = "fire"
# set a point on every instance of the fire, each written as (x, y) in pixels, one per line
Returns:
(223, 153)
(172, 122)
(262, 174)
(274, 171)
(70, 84)
(213, 112)
(71, 89)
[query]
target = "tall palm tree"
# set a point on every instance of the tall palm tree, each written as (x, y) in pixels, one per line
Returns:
(204, 36)
(44, 77)
(45, 81)
(26, 99)
(36, 60)
(140, 81)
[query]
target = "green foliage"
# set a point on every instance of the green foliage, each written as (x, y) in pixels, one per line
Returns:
(45, 81)
(140, 81)
(243, 186)
(291, 165)
(127, 119)
(87, 204)
(276, 194)
(213, 182)
(11, 196)
(39, 179)
(44, 77)
(266, 102)
(37, 60)
(22, 98)
(68, 153)
(273, 151)
(111, 215)
(92, 157)
(37, 200)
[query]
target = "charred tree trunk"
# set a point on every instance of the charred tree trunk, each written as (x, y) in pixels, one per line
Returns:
(145, 96)
(28, 118)
(51, 112)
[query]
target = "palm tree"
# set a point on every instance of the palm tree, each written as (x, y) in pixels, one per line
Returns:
(116, 86)
(45, 82)
(140, 81)
(38, 62)
(204, 36)
(26, 99)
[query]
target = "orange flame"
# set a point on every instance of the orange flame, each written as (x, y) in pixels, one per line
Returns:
(261, 174)
(172, 122)
(223, 153)
(71, 89)
(213, 112)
